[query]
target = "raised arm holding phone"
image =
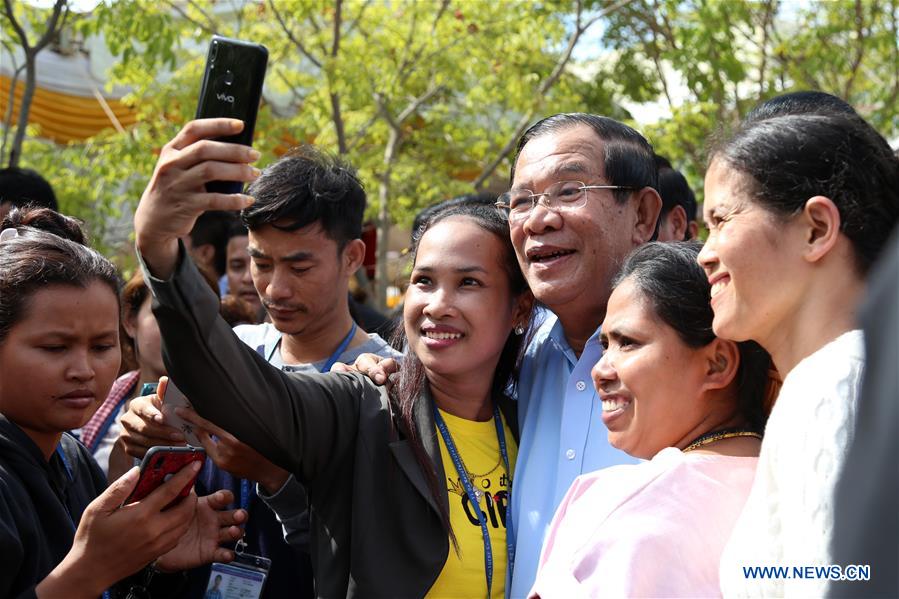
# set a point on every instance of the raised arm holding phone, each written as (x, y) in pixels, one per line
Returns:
(387, 492)
(303, 239)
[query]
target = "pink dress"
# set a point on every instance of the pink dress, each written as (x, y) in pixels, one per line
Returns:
(655, 529)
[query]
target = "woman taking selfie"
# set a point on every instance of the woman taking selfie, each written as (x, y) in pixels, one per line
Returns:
(60, 527)
(689, 402)
(407, 490)
(798, 209)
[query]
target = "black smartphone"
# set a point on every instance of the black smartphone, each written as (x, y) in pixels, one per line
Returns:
(159, 465)
(232, 87)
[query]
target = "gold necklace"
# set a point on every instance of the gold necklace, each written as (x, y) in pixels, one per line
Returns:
(714, 436)
(474, 477)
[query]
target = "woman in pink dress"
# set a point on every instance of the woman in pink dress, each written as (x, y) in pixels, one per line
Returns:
(690, 403)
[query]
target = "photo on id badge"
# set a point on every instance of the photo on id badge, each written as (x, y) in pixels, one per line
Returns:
(244, 578)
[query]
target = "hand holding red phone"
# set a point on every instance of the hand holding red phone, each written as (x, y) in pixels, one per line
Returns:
(118, 541)
(113, 542)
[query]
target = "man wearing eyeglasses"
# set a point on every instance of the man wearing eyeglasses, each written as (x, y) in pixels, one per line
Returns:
(582, 197)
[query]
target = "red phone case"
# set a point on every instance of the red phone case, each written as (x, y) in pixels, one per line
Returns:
(160, 464)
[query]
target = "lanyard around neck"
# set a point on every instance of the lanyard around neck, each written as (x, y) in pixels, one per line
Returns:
(472, 496)
(330, 361)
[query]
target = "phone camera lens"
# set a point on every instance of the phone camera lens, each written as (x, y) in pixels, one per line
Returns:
(214, 51)
(159, 463)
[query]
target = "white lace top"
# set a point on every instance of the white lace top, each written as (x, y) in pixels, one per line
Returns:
(788, 518)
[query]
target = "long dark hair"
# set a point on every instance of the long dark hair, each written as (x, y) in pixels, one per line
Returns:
(670, 277)
(413, 378)
(790, 158)
(37, 258)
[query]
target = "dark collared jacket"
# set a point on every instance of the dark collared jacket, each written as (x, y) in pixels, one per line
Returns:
(376, 529)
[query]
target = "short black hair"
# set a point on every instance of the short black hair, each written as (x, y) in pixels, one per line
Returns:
(308, 186)
(799, 102)
(212, 228)
(629, 159)
(674, 189)
(25, 187)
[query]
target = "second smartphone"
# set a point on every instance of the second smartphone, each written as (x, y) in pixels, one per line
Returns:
(159, 465)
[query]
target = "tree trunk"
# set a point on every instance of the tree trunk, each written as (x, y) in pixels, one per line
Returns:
(381, 273)
(7, 118)
(383, 234)
(24, 108)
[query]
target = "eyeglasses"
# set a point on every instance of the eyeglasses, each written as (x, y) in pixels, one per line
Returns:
(564, 195)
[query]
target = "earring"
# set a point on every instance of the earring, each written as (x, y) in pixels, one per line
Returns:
(519, 330)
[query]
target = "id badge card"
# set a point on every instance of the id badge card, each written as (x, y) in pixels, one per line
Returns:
(244, 578)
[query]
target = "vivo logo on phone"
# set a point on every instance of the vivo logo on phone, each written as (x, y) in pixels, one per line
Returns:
(225, 98)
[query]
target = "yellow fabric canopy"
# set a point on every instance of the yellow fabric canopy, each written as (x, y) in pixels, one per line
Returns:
(63, 117)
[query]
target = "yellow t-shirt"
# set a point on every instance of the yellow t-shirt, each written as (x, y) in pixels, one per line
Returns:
(463, 575)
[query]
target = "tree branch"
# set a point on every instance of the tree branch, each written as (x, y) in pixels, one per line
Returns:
(318, 29)
(355, 22)
(395, 122)
(404, 71)
(7, 118)
(202, 26)
(361, 131)
(545, 85)
(20, 33)
(894, 94)
(407, 47)
(31, 52)
(766, 23)
(293, 92)
(212, 22)
(413, 106)
(61, 7)
(289, 33)
(860, 48)
(336, 114)
(657, 60)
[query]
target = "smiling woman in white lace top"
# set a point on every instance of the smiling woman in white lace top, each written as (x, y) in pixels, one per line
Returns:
(798, 207)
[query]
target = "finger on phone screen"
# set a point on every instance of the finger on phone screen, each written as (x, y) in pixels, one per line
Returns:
(168, 491)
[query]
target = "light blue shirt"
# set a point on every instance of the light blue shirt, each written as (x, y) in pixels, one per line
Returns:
(562, 437)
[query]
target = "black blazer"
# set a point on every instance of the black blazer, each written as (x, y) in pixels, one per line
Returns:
(376, 529)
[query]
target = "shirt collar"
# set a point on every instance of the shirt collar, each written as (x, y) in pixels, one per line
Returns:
(557, 336)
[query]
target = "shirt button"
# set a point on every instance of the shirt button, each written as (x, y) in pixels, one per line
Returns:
(580, 385)
(570, 454)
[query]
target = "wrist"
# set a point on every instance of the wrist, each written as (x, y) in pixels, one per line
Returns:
(274, 481)
(158, 566)
(159, 255)
(72, 578)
